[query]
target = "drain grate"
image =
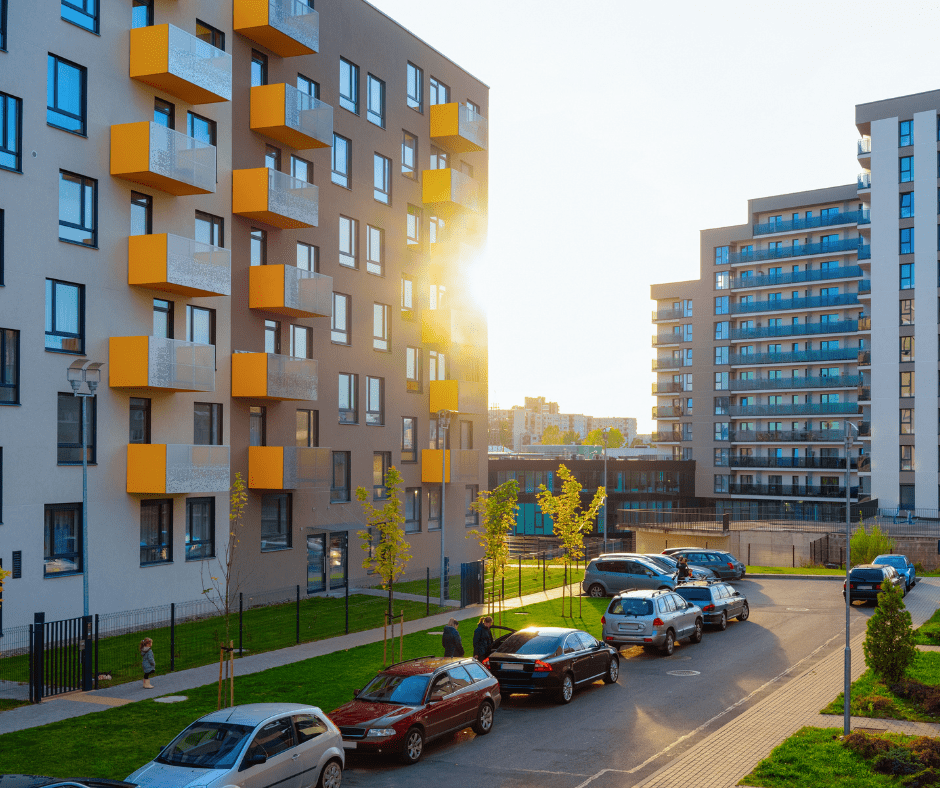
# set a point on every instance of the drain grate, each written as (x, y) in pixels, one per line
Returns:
(684, 673)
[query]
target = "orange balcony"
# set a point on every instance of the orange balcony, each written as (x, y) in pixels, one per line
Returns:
(160, 363)
(179, 265)
(449, 191)
(457, 396)
(458, 128)
(295, 119)
(440, 328)
(162, 158)
(288, 290)
(274, 198)
(288, 468)
(172, 60)
(176, 469)
(273, 376)
(459, 465)
(287, 27)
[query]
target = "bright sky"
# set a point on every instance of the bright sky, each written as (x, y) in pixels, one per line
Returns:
(619, 129)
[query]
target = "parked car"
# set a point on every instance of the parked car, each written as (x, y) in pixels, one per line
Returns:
(718, 601)
(608, 574)
(409, 704)
(257, 744)
(552, 660)
(652, 619)
(867, 581)
(723, 564)
(903, 566)
(671, 564)
(36, 781)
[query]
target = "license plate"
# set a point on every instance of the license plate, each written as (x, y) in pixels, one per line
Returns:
(863, 587)
(629, 627)
(511, 666)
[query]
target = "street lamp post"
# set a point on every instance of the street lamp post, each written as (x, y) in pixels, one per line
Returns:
(606, 435)
(82, 372)
(847, 689)
(443, 423)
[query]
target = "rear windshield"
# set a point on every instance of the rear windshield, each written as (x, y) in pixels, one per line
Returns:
(868, 575)
(631, 607)
(529, 643)
(694, 593)
(891, 560)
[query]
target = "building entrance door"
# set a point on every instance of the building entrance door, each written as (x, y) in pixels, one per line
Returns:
(326, 561)
(316, 563)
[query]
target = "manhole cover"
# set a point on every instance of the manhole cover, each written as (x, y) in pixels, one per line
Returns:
(683, 673)
(798, 609)
(171, 699)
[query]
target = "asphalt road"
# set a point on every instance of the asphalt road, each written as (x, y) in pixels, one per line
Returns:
(622, 733)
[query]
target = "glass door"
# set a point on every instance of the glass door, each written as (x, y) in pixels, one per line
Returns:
(316, 563)
(338, 559)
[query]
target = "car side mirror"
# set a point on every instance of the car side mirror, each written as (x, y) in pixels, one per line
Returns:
(435, 699)
(257, 758)
(356, 693)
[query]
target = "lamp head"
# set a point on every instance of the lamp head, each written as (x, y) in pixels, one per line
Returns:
(75, 374)
(93, 375)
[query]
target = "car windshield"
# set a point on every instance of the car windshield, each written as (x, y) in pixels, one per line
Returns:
(207, 745)
(631, 607)
(891, 560)
(389, 688)
(529, 643)
(666, 561)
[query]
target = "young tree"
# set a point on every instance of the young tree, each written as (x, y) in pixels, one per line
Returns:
(569, 521)
(615, 439)
(3, 575)
(889, 643)
(505, 433)
(570, 437)
(551, 436)
(391, 555)
(866, 546)
(497, 509)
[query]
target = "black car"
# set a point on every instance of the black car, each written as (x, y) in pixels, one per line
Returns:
(551, 660)
(718, 601)
(36, 781)
(867, 581)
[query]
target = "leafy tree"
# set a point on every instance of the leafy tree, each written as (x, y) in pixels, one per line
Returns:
(570, 438)
(551, 435)
(866, 546)
(497, 509)
(3, 575)
(569, 521)
(889, 643)
(505, 433)
(637, 443)
(615, 439)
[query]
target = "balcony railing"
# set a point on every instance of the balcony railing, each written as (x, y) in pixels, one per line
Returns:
(667, 437)
(864, 393)
(160, 363)
(864, 463)
(287, 27)
(795, 408)
(824, 463)
(155, 156)
(830, 382)
(180, 265)
(667, 363)
(784, 304)
(864, 358)
(803, 329)
(812, 222)
(458, 128)
(273, 376)
(785, 436)
(289, 290)
(669, 314)
(461, 465)
(457, 395)
(275, 198)
(864, 180)
(450, 190)
(795, 357)
(784, 252)
(667, 387)
(180, 64)
(864, 252)
(669, 338)
(668, 412)
(288, 468)
(291, 117)
(864, 285)
(793, 277)
(864, 145)
(791, 490)
(177, 469)
(864, 323)
(864, 429)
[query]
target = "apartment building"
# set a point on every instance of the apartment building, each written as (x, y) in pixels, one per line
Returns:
(258, 216)
(528, 422)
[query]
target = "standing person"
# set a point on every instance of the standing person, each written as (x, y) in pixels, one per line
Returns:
(483, 638)
(683, 568)
(453, 647)
(147, 662)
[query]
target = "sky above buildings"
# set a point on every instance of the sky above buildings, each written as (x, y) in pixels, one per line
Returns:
(619, 129)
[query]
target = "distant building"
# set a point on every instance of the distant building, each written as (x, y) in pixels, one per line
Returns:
(527, 423)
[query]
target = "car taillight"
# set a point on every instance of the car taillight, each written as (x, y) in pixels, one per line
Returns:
(877, 586)
(603, 620)
(708, 608)
(730, 565)
(541, 667)
(486, 662)
(658, 622)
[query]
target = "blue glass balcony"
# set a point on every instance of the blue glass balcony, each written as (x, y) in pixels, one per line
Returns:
(668, 412)
(792, 490)
(825, 463)
(669, 338)
(864, 180)
(864, 286)
(783, 384)
(667, 437)
(667, 387)
(864, 252)
(667, 363)
(784, 252)
(796, 357)
(796, 409)
(793, 277)
(812, 222)
(783, 304)
(864, 145)
(787, 436)
(804, 329)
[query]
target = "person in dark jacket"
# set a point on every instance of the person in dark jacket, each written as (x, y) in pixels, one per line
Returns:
(453, 647)
(682, 570)
(483, 638)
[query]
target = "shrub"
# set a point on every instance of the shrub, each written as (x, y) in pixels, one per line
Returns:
(866, 746)
(931, 703)
(920, 779)
(927, 751)
(868, 545)
(897, 760)
(910, 689)
(889, 643)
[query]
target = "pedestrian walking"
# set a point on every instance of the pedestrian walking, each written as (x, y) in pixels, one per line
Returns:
(147, 662)
(683, 569)
(483, 638)
(453, 647)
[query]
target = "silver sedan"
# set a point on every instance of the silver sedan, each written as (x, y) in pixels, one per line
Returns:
(251, 746)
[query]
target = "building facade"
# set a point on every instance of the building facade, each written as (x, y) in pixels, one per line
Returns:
(258, 217)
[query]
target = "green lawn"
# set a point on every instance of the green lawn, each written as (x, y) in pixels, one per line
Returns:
(530, 582)
(114, 742)
(928, 633)
(799, 570)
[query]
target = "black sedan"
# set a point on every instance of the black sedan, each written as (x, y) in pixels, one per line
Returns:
(551, 660)
(36, 781)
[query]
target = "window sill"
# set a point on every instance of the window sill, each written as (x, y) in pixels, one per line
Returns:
(51, 575)
(65, 352)
(11, 169)
(337, 502)
(276, 549)
(10, 404)
(78, 243)
(341, 344)
(74, 464)
(155, 563)
(67, 131)
(201, 558)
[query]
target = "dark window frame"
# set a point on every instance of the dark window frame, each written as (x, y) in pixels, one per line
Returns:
(14, 148)
(196, 549)
(382, 191)
(471, 517)
(257, 239)
(216, 227)
(92, 229)
(63, 448)
(283, 520)
(414, 100)
(164, 532)
(340, 493)
(145, 201)
(375, 416)
(148, 6)
(382, 343)
(261, 60)
(350, 101)
(341, 177)
(375, 264)
(50, 318)
(213, 428)
(216, 37)
(337, 331)
(258, 414)
(134, 406)
(352, 237)
(413, 498)
(311, 426)
(6, 335)
(51, 555)
(210, 125)
(409, 142)
(165, 109)
(380, 491)
(80, 9)
(375, 117)
(53, 89)
(272, 329)
(409, 453)
(163, 306)
(191, 311)
(348, 415)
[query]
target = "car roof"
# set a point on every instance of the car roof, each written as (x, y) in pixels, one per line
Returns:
(550, 631)
(698, 584)
(256, 713)
(869, 566)
(642, 594)
(888, 555)
(424, 665)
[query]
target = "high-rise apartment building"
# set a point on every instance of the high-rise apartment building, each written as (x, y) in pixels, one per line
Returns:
(258, 216)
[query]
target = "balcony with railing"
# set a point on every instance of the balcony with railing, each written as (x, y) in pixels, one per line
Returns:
(792, 490)
(786, 383)
(178, 63)
(864, 252)
(668, 338)
(821, 463)
(840, 246)
(864, 146)
(864, 463)
(178, 265)
(160, 363)
(786, 436)
(287, 27)
(273, 376)
(795, 357)
(864, 322)
(670, 313)
(668, 411)
(291, 117)
(795, 409)
(289, 468)
(864, 393)
(457, 396)
(458, 465)
(667, 437)
(790, 330)
(667, 387)
(864, 429)
(458, 128)
(864, 180)
(864, 358)
(449, 190)
(164, 159)
(667, 363)
(786, 304)
(289, 290)
(795, 277)
(275, 198)
(864, 287)
(812, 222)
(177, 469)
(441, 328)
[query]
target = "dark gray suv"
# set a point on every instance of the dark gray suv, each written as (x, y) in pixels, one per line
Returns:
(719, 602)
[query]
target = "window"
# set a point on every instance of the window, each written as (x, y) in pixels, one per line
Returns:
(414, 225)
(257, 425)
(436, 294)
(907, 276)
(207, 424)
(201, 128)
(141, 13)
(407, 295)
(439, 158)
(65, 316)
(348, 233)
(906, 245)
(907, 458)
(308, 86)
(301, 169)
(348, 398)
(200, 528)
(375, 402)
(721, 255)
(259, 69)
(375, 108)
(272, 157)
(162, 318)
(413, 368)
(382, 179)
(381, 460)
(342, 161)
(906, 421)
(200, 325)
(721, 355)
(380, 327)
(308, 428)
(434, 509)
(466, 434)
(275, 521)
(342, 319)
(906, 169)
(721, 483)
(164, 113)
(3, 41)
(439, 92)
(9, 366)
(906, 349)
(409, 155)
(65, 95)
(374, 240)
(139, 428)
(721, 381)
(70, 430)
(348, 85)
(83, 13)
(437, 438)
(905, 133)
(258, 247)
(141, 214)
(906, 384)
(2, 245)
(62, 543)
(339, 485)
(906, 210)
(209, 229)
(722, 280)
(721, 305)
(11, 133)
(301, 341)
(471, 517)
(721, 430)
(78, 209)
(906, 309)
(156, 531)
(211, 35)
(412, 510)
(437, 367)
(308, 257)
(409, 439)
(415, 94)
(722, 329)
(272, 336)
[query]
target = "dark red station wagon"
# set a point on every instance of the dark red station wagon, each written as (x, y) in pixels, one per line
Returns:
(413, 702)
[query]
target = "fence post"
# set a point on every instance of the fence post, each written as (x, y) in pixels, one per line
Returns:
(347, 605)
(298, 614)
(86, 654)
(520, 578)
(241, 607)
(543, 572)
(794, 556)
(748, 553)
(427, 593)
(96, 651)
(172, 636)
(37, 646)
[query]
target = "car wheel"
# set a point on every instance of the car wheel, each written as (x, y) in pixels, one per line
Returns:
(745, 612)
(566, 692)
(723, 623)
(669, 645)
(413, 747)
(331, 776)
(484, 721)
(613, 671)
(696, 636)
(596, 591)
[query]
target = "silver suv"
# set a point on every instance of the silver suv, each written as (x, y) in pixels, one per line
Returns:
(652, 619)
(608, 574)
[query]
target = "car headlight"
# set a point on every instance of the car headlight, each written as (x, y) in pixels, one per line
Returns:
(381, 732)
